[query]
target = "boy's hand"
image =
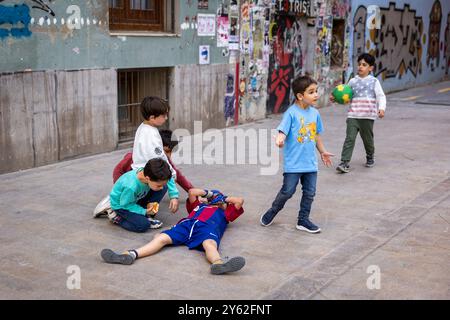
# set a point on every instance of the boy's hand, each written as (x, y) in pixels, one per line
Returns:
(237, 201)
(152, 208)
(279, 140)
(173, 205)
(380, 114)
(326, 158)
(331, 97)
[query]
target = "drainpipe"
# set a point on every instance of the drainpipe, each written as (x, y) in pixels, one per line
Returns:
(236, 93)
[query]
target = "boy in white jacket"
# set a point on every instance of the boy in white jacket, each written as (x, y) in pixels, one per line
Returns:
(368, 104)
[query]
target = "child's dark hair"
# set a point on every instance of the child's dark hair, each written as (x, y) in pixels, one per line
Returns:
(367, 57)
(300, 84)
(166, 137)
(154, 106)
(157, 170)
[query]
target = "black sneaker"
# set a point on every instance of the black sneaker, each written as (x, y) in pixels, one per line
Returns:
(266, 219)
(229, 265)
(307, 226)
(343, 167)
(370, 162)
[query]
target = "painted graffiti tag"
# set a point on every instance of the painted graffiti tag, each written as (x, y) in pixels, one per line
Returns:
(15, 18)
(397, 45)
(18, 17)
(40, 5)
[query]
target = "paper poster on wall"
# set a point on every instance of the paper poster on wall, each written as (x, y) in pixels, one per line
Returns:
(203, 54)
(206, 25)
(223, 26)
(233, 40)
(202, 4)
(246, 34)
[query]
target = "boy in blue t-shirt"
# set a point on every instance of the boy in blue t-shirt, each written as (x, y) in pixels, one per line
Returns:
(299, 133)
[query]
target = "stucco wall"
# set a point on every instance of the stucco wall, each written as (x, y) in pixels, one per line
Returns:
(48, 42)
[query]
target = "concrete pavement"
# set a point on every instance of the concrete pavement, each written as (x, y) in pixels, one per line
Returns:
(391, 220)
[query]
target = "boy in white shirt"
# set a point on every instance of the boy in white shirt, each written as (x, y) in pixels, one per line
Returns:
(148, 145)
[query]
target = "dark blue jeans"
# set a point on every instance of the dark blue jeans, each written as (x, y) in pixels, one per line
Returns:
(135, 222)
(290, 181)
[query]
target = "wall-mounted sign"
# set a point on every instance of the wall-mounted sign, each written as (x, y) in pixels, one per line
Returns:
(298, 7)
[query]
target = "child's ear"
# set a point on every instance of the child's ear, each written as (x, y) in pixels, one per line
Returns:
(299, 96)
(147, 180)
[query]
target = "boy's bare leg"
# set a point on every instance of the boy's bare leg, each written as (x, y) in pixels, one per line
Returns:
(218, 266)
(130, 256)
(212, 254)
(159, 241)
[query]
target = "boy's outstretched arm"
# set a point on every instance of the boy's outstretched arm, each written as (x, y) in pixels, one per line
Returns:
(237, 201)
(324, 154)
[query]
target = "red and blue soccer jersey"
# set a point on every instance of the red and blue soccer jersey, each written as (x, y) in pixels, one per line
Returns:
(203, 222)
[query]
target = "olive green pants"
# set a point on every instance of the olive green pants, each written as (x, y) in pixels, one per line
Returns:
(365, 129)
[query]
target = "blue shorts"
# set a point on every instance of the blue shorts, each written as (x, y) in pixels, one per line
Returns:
(192, 233)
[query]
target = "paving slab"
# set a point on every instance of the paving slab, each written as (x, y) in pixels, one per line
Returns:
(395, 216)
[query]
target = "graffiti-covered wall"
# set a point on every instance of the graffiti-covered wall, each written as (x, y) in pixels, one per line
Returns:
(332, 47)
(409, 39)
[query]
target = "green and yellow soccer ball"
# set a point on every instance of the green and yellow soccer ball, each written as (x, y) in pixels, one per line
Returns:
(343, 94)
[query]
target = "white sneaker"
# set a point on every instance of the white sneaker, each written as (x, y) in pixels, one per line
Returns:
(102, 208)
(113, 216)
(154, 223)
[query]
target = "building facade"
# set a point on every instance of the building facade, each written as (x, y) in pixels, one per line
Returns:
(72, 74)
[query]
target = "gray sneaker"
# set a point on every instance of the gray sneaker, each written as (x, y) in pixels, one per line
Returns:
(343, 167)
(229, 265)
(110, 256)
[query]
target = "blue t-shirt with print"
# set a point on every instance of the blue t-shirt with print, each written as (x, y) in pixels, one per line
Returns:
(300, 127)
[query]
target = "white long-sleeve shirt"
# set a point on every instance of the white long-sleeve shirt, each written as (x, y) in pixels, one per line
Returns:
(148, 145)
(368, 98)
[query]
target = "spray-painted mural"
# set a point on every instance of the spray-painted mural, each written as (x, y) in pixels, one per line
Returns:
(44, 5)
(409, 41)
(286, 61)
(397, 45)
